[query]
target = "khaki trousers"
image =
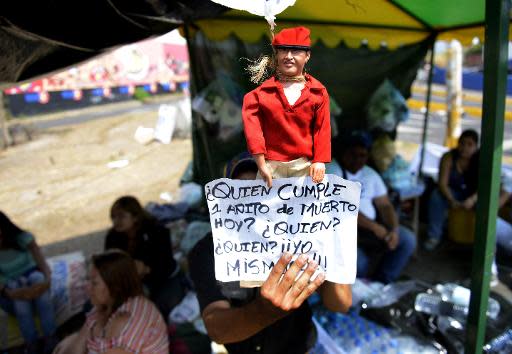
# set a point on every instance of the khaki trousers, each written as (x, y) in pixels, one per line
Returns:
(295, 168)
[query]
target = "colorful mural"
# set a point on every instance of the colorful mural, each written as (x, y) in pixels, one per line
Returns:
(160, 63)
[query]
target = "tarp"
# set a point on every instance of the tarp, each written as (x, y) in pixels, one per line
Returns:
(37, 37)
(374, 23)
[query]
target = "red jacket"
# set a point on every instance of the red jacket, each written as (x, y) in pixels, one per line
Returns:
(283, 132)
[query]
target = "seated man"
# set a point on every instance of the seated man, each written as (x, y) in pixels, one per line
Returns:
(275, 318)
(383, 235)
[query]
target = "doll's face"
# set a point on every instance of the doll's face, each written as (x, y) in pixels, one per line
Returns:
(290, 62)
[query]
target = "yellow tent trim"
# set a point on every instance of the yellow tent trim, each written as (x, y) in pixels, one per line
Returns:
(331, 35)
(465, 36)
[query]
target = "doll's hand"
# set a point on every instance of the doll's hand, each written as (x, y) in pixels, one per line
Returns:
(266, 175)
(317, 171)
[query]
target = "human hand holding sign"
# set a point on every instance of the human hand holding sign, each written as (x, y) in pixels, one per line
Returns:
(284, 290)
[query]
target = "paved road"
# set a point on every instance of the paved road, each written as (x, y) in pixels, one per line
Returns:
(411, 131)
(88, 116)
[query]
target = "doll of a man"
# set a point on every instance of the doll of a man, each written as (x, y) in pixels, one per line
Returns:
(286, 119)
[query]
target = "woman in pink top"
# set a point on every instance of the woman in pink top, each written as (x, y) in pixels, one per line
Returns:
(122, 319)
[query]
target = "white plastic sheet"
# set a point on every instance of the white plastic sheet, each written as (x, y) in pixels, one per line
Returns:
(266, 8)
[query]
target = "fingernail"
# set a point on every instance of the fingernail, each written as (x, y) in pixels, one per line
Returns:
(313, 264)
(321, 277)
(287, 256)
(302, 258)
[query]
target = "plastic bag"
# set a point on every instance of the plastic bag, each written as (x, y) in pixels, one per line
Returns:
(187, 310)
(220, 103)
(196, 230)
(165, 125)
(191, 193)
(386, 108)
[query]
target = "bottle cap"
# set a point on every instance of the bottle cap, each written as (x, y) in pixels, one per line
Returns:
(461, 296)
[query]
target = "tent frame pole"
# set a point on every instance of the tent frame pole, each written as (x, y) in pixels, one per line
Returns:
(495, 81)
(427, 109)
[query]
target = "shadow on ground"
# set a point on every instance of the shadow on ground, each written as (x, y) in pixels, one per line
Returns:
(89, 244)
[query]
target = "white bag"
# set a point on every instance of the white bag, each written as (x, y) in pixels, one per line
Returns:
(166, 123)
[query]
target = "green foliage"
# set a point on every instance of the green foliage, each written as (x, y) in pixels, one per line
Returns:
(141, 94)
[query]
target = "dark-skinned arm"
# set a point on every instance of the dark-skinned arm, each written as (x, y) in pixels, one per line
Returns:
(444, 174)
(336, 297)
(34, 249)
(390, 219)
(279, 295)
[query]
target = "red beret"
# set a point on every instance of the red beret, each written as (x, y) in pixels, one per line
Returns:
(296, 37)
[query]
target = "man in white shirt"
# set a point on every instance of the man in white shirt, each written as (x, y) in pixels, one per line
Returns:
(378, 228)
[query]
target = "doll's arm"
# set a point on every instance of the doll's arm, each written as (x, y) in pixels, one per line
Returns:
(322, 132)
(252, 125)
(321, 140)
(262, 167)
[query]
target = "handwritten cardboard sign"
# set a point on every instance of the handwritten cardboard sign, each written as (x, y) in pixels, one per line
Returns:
(253, 225)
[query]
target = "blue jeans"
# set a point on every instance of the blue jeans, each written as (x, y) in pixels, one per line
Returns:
(504, 236)
(437, 209)
(23, 310)
(393, 261)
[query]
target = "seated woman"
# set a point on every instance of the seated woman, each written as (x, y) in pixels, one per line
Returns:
(138, 234)
(452, 191)
(122, 320)
(24, 285)
(458, 182)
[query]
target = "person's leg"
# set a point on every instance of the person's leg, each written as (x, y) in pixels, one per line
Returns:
(44, 305)
(22, 310)
(170, 294)
(437, 207)
(362, 263)
(7, 305)
(504, 236)
(394, 261)
(24, 315)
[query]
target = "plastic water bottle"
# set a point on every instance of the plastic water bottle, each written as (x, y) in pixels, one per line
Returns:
(357, 347)
(435, 304)
(460, 295)
(407, 345)
(391, 293)
(502, 344)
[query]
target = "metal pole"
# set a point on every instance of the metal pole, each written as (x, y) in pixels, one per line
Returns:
(453, 94)
(427, 109)
(493, 107)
